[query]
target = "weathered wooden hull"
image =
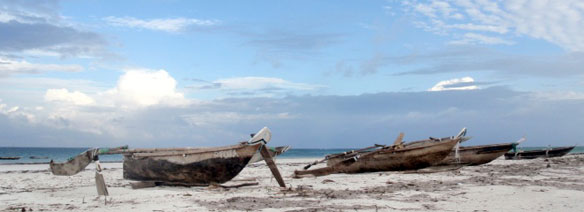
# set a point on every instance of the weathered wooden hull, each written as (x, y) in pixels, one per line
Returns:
(189, 167)
(476, 155)
(74, 165)
(388, 159)
(545, 153)
(273, 152)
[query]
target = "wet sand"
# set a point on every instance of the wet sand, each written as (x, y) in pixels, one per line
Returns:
(525, 185)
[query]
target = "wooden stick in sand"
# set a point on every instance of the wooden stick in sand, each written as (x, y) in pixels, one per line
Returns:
(268, 158)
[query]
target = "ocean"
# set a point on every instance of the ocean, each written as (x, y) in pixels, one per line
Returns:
(39, 155)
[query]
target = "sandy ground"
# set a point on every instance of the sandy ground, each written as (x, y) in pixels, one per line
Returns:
(527, 185)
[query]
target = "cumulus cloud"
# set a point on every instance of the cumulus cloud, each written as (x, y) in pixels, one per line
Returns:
(454, 84)
(9, 67)
(167, 25)
(558, 22)
(63, 95)
(143, 87)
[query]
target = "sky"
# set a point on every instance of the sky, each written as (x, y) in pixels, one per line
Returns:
(319, 74)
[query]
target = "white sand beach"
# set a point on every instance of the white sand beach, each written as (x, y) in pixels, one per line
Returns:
(526, 185)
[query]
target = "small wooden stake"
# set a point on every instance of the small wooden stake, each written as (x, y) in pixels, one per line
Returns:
(268, 158)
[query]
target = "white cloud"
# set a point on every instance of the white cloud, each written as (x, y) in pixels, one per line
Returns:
(142, 87)
(15, 112)
(558, 22)
(482, 39)
(257, 83)
(479, 27)
(451, 84)
(63, 95)
(9, 67)
(168, 25)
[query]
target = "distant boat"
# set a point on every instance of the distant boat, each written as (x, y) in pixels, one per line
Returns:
(10, 158)
(540, 153)
(38, 157)
(273, 152)
(476, 155)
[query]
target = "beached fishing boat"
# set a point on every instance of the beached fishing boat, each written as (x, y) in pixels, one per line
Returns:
(202, 166)
(397, 157)
(476, 155)
(181, 166)
(274, 151)
(10, 158)
(545, 153)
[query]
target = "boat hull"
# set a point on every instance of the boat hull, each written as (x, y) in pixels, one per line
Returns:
(476, 155)
(74, 165)
(200, 167)
(408, 158)
(544, 153)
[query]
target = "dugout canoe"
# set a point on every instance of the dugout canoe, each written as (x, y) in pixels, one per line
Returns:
(476, 155)
(539, 153)
(201, 166)
(388, 158)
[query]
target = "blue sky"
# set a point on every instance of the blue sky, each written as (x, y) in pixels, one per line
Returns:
(320, 74)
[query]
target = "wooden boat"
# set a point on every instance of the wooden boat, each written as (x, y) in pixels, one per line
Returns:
(192, 167)
(10, 158)
(545, 153)
(476, 155)
(273, 152)
(181, 166)
(397, 157)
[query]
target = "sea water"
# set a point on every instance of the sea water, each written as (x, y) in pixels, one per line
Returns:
(44, 155)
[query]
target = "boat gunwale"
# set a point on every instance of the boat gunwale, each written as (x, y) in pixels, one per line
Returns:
(430, 144)
(483, 146)
(162, 153)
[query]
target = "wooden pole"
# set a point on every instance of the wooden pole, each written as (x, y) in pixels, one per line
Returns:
(268, 158)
